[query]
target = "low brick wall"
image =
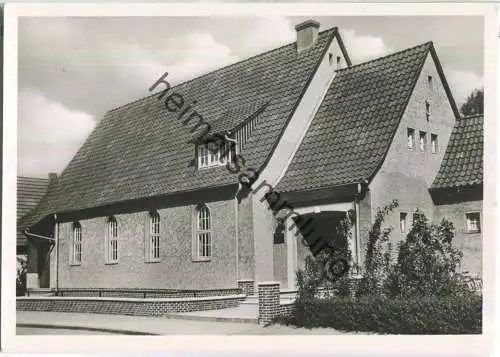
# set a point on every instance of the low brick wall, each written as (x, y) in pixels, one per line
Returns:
(285, 309)
(247, 286)
(145, 293)
(126, 306)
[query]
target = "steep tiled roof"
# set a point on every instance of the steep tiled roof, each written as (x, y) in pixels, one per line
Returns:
(462, 164)
(356, 122)
(30, 191)
(142, 150)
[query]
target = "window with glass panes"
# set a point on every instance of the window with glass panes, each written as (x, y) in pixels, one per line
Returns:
(204, 234)
(112, 241)
(77, 243)
(154, 237)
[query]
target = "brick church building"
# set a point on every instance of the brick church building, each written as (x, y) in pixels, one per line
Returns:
(143, 204)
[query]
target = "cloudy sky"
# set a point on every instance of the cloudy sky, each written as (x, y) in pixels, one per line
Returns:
(72, 70)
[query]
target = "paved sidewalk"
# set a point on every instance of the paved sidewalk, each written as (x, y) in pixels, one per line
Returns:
(151, 325)
(243, 313)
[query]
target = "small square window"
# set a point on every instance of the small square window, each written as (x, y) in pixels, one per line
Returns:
(422, 140)
(402, 222)
(473, 222)
(411, 138)
(434, 143)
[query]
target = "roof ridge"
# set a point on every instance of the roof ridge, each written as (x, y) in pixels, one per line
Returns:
(332, 29)
(428, 43)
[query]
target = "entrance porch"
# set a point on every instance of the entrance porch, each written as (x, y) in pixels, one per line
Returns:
(310, 230)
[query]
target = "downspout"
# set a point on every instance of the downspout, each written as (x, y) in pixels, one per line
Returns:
(237, 238)
(26, 232)
(56, 236)
(358, 240)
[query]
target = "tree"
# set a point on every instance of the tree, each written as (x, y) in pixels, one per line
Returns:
(427, 261)
(474, 104)
(377, 259)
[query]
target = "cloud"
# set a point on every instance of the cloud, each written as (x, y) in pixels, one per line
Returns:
(49, 134)
(266, 33)
(195, 54)
(85, 68)
(363, 48)
(462, 83)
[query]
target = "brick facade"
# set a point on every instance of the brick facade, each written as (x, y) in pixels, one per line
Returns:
(407, 174)
(470, 243)
(242, 229)
(247, 286)
(246, 249)
(126, 306)
(176, 268)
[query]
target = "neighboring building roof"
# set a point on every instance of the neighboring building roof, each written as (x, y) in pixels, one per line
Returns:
(462, 165)
(354, 127)
(30, 191)
(142, 150)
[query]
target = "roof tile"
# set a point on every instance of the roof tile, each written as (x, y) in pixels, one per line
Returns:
(355, 124)
(142, 150)
(462, 164)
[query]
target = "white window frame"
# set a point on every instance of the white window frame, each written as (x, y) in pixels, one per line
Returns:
(422, 143)
(212, 158)
(76, 251)
(434, 143)
(468, 226)
(403, 221)
(203, 234)
(153, 238)
(410, 134)
(111, 246)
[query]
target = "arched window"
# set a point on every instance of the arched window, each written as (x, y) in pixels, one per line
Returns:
(111, 241)
(153, 241)
(203, 232)
(76, 257)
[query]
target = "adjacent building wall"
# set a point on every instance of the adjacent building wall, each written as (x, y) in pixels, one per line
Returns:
(469, 243)
(176, 268)
(406, 174)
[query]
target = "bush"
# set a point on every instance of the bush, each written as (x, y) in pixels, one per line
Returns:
(22, 267)
(427, 262)
(415, 315)
(377, 259)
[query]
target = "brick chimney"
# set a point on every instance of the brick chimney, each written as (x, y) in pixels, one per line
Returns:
(307, 34)
(52, 178)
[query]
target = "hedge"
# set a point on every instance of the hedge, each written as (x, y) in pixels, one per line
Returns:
(415, 315)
